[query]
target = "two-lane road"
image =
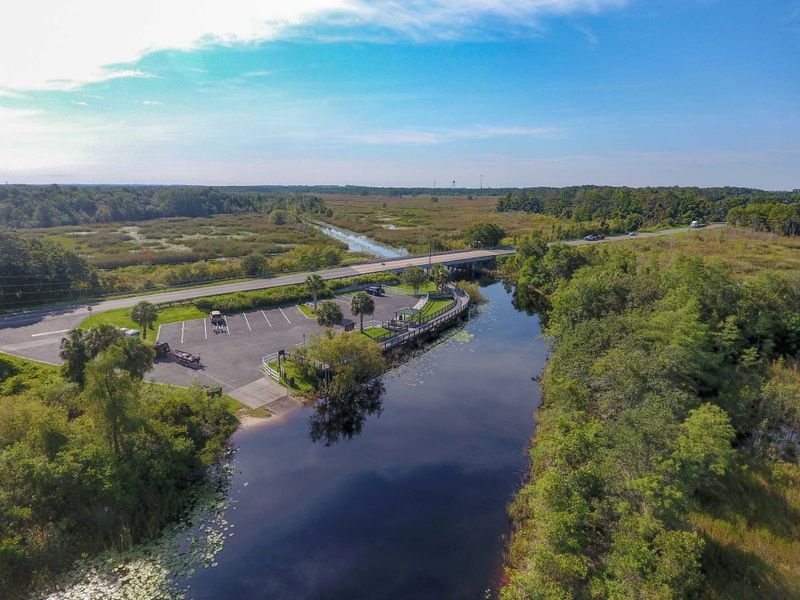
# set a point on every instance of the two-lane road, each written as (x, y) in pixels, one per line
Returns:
(36, 334)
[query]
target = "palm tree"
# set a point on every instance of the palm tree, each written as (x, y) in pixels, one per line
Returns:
(315, 284)
(329, 314)
(145, 314)
(361, 305)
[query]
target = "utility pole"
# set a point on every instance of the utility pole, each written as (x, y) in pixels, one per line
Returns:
(430, 252)
(481, 180)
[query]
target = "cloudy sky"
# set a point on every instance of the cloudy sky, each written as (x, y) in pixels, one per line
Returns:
(401, 92)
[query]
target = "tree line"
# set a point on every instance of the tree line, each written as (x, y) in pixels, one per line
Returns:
(774, 217)
(25, 206)
(632, 208)
(663, 386)
(34, 270)
(91, 458)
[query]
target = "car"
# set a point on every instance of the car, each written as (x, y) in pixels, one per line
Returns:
(632, 234)
(374, 290)
(600, 236)
(217, 318)
(129, 332)
(591, 238)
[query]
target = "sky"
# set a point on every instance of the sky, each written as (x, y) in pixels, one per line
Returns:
(401, 93)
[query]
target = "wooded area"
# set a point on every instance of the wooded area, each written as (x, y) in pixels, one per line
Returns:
(633, 208)
(666, 390)
(26, 206)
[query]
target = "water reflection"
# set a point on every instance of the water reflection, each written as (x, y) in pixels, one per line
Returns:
(357, 242)
(342, 418)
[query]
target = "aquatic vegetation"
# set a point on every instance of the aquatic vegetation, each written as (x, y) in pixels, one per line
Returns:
(160, 568)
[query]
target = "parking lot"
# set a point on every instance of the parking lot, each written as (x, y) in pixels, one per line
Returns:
(232, 356)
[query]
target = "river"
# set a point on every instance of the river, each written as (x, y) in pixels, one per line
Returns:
(357, 242)
(414, 506)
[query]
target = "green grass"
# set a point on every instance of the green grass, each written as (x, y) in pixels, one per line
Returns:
(752, 532)
(120, 317)
(308, 311)
(423, 289)
(378, 333)
(432, 306)
(301, 384)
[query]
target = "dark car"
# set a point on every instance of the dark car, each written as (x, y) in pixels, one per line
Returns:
(374, 290)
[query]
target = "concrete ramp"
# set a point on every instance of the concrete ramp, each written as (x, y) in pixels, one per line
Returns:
(261, 392)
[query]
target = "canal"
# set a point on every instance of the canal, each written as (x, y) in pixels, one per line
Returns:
(413, 506)
(357, 242)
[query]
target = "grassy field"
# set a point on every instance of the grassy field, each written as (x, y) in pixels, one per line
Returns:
(168, 252)
(404, 289)
(744, 250)
(752, 531)
(290, 371)
(410, 221)
(121, 318)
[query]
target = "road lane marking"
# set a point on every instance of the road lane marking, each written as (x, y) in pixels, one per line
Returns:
(183, 324)
(205, 329)
(49, 333)
(247, 321)
(284, 315)
(267, 318)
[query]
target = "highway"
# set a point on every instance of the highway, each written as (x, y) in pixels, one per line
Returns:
(33, 334)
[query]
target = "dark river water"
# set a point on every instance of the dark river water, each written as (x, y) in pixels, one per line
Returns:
(412, 507)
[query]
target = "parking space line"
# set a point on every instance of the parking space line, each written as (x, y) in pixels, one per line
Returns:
(267, 318)
(158, 335)
(183, 325)
(205, 329)
(284, 315)
(227, 328)
(247, 321)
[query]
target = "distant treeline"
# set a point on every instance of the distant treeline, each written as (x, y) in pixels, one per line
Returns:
(635, 207)
(27, 206)
(783, 219)
(34, 270)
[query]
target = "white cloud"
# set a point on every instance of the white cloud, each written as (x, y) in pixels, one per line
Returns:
(62, 45)
(258, 73)
(420, 138)
(152, 102)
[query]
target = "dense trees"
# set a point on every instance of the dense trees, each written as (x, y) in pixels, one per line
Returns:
(483, 235)
(660, 382)
(48, 206)
(783, 219)
(32, 271)
(440, 276)
(98, 467)
(633, 207)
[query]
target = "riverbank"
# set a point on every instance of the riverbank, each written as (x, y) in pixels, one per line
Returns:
(403, 495)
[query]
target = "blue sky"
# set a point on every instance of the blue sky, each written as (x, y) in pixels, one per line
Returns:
(525, 92)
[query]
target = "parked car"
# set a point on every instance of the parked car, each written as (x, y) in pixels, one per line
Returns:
(129, 332)
(591, 238)
(374, 290)
(600, 236)
(187, 359)
(632, 234)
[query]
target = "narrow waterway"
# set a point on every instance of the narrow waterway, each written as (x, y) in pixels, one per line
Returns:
(412, 507)
(357, 242)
